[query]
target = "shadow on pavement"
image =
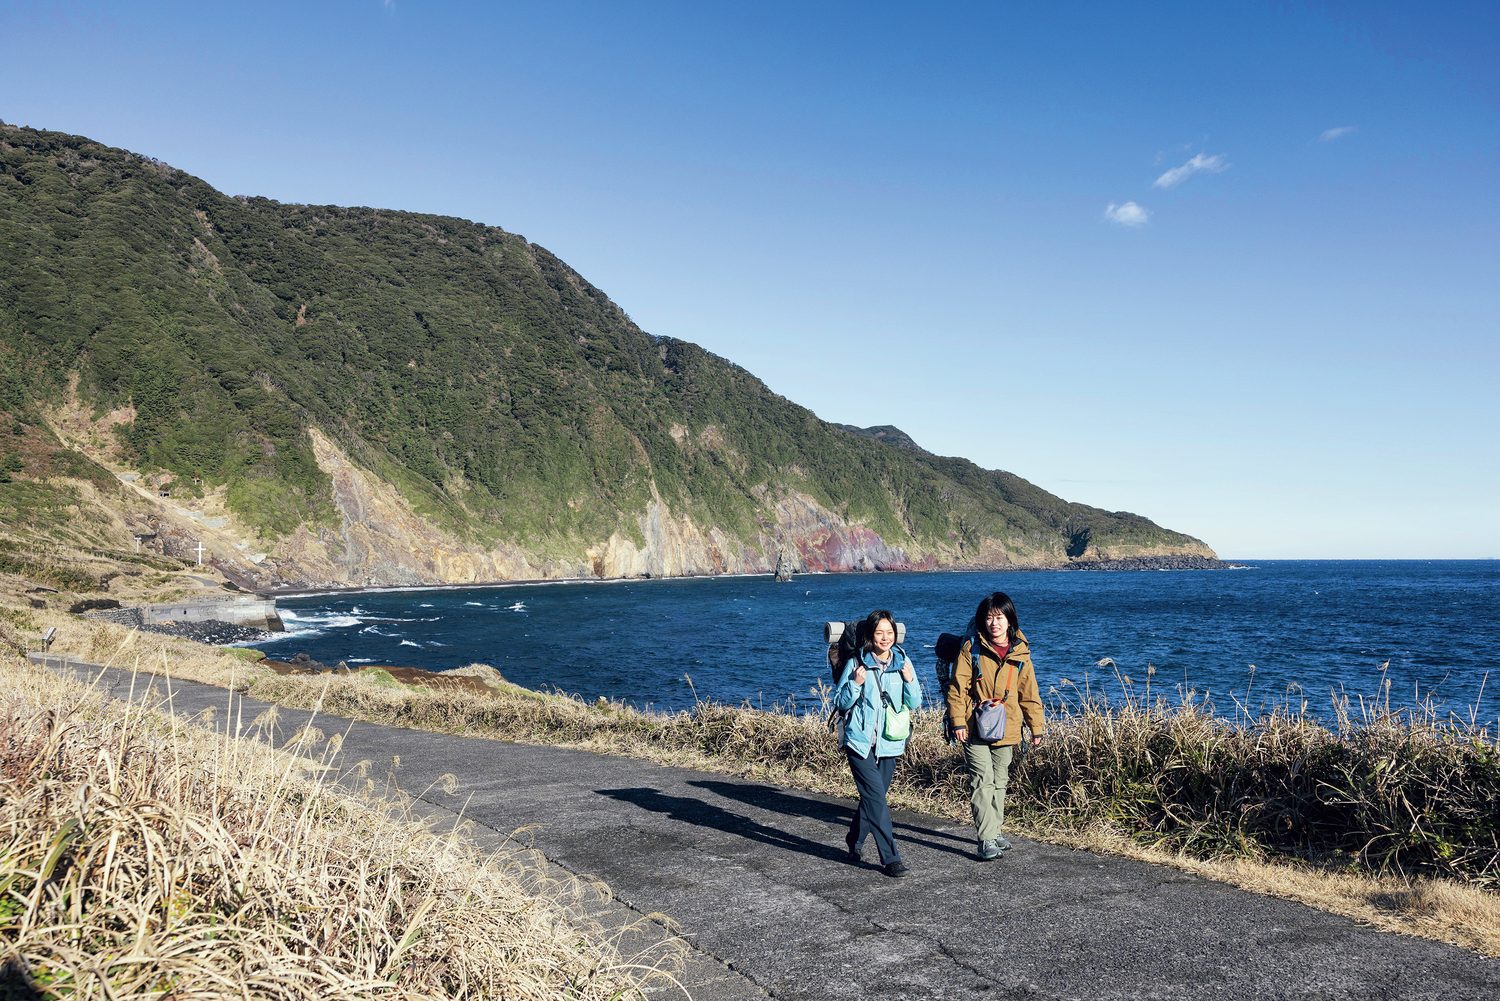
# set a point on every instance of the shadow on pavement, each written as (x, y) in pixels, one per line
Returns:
(694, 811)
(781, 802)
(15, 985)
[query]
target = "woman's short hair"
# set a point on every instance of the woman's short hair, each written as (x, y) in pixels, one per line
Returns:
(871, 621)
(997, 602)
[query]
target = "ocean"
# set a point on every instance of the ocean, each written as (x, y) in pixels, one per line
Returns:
(1411, 631)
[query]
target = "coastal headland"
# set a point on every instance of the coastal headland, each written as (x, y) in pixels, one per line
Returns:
(319, 396)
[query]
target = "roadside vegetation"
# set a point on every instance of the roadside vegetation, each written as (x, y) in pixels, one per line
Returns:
(145, 857)
(1391, 816)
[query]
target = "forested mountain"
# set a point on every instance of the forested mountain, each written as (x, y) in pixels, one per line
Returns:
(368, 396)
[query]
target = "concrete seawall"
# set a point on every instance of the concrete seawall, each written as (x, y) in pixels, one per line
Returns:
(255, 613)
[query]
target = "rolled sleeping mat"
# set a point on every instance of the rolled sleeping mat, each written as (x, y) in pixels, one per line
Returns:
(832, 631)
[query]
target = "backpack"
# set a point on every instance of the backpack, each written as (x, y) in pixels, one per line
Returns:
(845, 642)
(947, 649)
(846, 639)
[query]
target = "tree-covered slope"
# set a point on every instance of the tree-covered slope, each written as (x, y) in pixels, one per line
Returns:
(508, 401)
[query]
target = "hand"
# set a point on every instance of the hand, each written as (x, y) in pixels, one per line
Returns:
(907, 674)
(859, 674)
(961, 734)
(1036, 738)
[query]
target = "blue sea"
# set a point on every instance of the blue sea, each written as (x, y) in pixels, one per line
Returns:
(1311, 629)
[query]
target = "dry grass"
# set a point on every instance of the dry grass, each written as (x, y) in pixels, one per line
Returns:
(145, 857)
(1381, 790)
(1388, 817)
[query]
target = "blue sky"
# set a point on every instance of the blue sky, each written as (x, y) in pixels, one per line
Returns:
(1229, 266)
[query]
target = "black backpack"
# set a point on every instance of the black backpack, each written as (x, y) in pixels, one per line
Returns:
(946, 649)
(845, 642)
(846, 639)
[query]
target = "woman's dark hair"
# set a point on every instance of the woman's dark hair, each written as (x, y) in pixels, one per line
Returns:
(997, 602)
(871, 621)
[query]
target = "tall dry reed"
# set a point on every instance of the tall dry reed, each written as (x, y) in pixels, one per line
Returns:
(144, 857)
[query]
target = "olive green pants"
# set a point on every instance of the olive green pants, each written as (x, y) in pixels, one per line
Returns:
(989, 772)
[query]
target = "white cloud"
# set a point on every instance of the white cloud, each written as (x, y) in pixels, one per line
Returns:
(1199, 164)
(1329, 135)
(1127, 214)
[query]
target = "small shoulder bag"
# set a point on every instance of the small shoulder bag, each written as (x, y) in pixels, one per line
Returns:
(897, 724)
(990, 718)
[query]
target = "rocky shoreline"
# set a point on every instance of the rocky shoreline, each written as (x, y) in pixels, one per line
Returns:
(1184, 562)
(1181, 562)
(214, 632)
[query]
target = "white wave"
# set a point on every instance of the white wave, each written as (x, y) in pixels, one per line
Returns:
(519, 606)
(476, 604)
(322, 620)
(359, 660)
(289, 634)
(377, 631)
(410, 643)
(435, 643)
(425, 604)
(356, 610)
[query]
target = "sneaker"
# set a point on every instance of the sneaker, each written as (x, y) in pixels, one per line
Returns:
(897, 869)
(1003, 843)
(988, 851)
(854, 852)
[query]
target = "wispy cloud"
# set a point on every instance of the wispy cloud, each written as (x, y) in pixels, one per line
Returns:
(1127, 214)
(1199, 164)
(1329, 135)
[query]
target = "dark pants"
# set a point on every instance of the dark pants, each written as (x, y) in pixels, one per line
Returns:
(872, 777)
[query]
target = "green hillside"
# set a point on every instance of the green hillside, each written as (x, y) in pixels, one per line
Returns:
(506, 398)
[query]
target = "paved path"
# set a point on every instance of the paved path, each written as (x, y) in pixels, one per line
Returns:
(756, 878)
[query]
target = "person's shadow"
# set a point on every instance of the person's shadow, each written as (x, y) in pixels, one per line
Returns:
(777, 801)
(15, 985)
(694, 811)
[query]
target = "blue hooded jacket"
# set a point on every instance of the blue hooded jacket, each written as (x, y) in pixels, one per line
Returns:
(864, 726)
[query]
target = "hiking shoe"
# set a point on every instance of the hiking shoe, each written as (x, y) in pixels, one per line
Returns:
(853, 848)
(988, 851)
(897, 869)
(1003, 843)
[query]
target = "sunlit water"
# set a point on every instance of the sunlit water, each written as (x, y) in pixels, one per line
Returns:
(1310, 628)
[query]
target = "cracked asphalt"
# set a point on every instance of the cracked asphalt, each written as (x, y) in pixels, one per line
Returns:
(755, 879)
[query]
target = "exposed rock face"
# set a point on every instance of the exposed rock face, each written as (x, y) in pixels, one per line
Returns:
(381, 541)
(674, 545)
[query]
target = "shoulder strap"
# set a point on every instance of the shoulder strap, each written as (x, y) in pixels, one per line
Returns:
(1004, 663)
(1015, 680)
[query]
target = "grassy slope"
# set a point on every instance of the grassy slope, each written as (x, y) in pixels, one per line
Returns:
(507, 397)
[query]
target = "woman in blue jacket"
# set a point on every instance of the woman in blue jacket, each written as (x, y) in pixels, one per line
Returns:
(875, 687)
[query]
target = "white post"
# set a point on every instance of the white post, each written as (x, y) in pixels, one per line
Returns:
(200, 552)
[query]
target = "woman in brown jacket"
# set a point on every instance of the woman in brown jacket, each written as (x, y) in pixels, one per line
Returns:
(994, 665)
